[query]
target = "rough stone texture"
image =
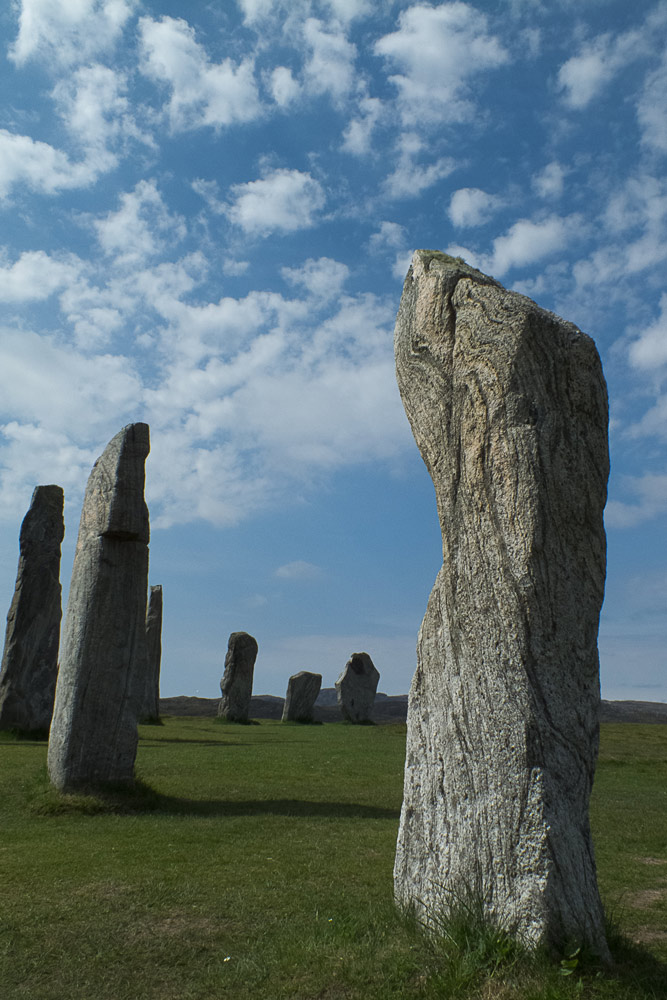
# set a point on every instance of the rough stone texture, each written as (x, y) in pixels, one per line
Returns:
(150, 703)
(30, 657)
(356, 688)
(93, 738)
(302, 691)
(236, 683)
(508, 406)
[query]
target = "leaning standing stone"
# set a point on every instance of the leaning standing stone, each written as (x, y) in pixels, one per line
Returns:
(236, 683)
(356, 688)
(150, 709)
(508, 406)
(302, 691)
(93, 738)
(30, 658)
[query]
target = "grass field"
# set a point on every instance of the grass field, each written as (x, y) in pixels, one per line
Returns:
(255, 862)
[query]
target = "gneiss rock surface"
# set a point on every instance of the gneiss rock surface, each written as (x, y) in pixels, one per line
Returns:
(508, 406)
(30, 657)
(236, 682)
(150, 708)
(93, 737)
(356, 688)
(302, 691)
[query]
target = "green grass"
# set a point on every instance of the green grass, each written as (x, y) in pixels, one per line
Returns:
(255, 862)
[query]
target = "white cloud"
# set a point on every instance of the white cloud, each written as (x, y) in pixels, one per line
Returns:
(322, 278)
(438, 51)
(140, 227)
(330, 66)
(652, 109)
(653, 423)
(46, 383)
(284, 88)
(549, 183)
(649, 350)
(410, 178)
(41, 167)
(392, 236)
(36, 276)
(202, 93)
(528, 241)
(69, 31)
(358, 134)
(651, 493)
(282, 201)
(585, 75)
(298, 570)
(472, 207)
(96, 111)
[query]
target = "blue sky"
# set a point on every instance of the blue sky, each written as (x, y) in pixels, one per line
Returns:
(207, 212)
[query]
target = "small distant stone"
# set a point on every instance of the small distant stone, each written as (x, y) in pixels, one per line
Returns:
(236, 683)
(302, 691)
(356, 688)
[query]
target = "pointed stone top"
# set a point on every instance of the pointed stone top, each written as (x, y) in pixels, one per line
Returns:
(114, 505)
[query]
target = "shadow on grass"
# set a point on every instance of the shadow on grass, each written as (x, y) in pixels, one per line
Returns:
(142, 799)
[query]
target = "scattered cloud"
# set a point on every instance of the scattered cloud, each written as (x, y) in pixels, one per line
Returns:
(284, 88)
(651, 493)
(411, 178)
(649, 350)
(140, 228)
(549, 183)
(472, 207)
(438, 51)
(41, 167)
(322, 278)
(585, 75)
(202, 93)
(35, 276)
(281, 201)
(298, 570)
(70, 32)
(330, 65)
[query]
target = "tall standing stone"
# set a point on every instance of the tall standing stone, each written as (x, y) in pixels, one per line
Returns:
(30, 657)
(508, 406)
(236, 683)
(150, 708)
(93, 738)
(302, 691)
(356, 687)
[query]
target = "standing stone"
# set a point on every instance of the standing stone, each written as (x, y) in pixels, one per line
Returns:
(93, 737)
(302, 691)
(30, 658)
(356, 687)
(508, 406)
(150, 708)
(236, 683)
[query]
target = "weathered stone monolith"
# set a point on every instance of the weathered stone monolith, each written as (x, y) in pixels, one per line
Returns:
(93, 739)
(150, 708)
(356, 687)
(508, 406)
(30, 657)
(236, 683)
(302, 691)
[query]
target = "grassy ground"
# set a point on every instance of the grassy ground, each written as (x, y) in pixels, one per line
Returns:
(255, 861)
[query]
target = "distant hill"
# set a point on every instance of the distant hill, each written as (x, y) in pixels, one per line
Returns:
(389, 708)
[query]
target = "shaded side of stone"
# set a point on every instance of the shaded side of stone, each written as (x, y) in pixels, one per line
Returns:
(302, 691)
(30, 656)
(508, 406)
(150, 708)
(236, 682)
(93, 738)
(356, 687)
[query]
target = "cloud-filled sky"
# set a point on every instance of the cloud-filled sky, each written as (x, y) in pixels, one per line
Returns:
(207, 214)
